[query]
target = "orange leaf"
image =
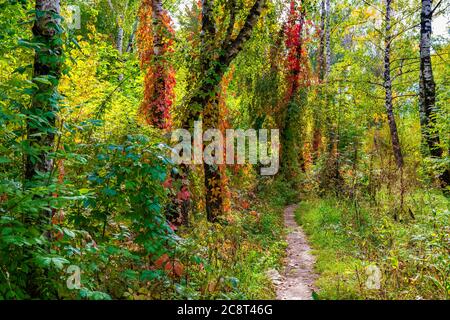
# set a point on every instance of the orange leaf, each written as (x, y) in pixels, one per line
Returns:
(178, 268)
(161, 260)
(168, 266)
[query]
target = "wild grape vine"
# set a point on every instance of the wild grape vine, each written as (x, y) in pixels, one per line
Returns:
(155, 41)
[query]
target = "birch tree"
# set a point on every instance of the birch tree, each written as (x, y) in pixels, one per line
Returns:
(46, 73)
(427, 99)
(388, 87)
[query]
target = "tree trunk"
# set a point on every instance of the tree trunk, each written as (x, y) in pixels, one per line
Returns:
(155, 42)
(132, 37)
(120, 35)
(204, 100)
(46, 74)
(120, 31)
(388, 89)
(427, 100)
(41, 121)
(157, 14)
(333, 162)
(291, 113)
(321, 69)
(213, 176)
(328, 39)
(322, 46)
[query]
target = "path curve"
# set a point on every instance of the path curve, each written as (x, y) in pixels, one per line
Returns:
(297, 281)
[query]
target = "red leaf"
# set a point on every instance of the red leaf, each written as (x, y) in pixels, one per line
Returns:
(161, 260)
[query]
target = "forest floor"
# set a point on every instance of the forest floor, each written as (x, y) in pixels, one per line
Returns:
(297, 282)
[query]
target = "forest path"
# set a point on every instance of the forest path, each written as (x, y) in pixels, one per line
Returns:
(297, 281)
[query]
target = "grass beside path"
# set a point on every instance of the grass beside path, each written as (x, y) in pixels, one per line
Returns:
(412, 255)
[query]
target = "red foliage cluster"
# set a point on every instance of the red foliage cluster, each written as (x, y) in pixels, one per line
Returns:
(295, 45)
(223, 126)
(171, 266)
(155, 41)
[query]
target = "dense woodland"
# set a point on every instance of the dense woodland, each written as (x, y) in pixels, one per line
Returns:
(93, 207)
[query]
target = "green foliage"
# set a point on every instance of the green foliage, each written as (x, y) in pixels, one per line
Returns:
(126, 183)
(97, 196)
(230, 261)
(103, 207)
(347, 238)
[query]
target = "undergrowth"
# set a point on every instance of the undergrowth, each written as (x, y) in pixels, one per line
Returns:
(349, 237)
(229, 260)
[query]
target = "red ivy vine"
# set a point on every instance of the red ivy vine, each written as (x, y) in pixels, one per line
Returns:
(155, 43)
(296, 62)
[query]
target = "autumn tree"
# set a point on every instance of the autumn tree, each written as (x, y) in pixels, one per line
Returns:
(296, 79)
(321, 58)
(321, 69)
(44, 105)
(388, 87)
(428, 112)
(41, 121)
(220, 44)
(155, 40)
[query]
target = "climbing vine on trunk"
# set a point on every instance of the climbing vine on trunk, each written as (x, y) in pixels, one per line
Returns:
(155, 41)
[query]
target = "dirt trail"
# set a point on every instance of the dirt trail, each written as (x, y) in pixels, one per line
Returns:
(297, 281)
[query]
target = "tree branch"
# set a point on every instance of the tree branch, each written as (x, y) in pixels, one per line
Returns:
(244, 34)
(405, 96)
(437, 6)
(208, 26)
(230, 28)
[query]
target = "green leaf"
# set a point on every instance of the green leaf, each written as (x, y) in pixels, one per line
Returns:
(151, 275)
(130, 274)
(58, 262)
(4, 160)
(84, 191)
(69, 233)
(42, 80)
